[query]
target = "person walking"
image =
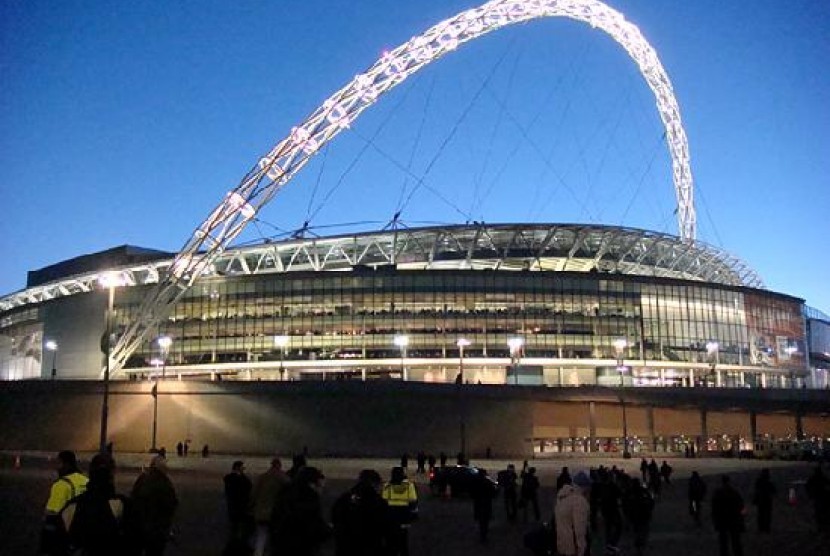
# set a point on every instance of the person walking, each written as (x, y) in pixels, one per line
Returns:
(69, 484)
(421, 458)
(402, 498)
(697, 492)
(610, 497)
(509, 483)
(564, 478)
(99, 522)
(530, 493)
(644, 470)
(639, 506)
(571, 516)
(299, 526)
(268, 487)
(727, 516)
(665, 472)
(238, 499)
(483, 491)
(155, 502)
(762, 499)
(654, 481)
(818, 489)
(361, 519)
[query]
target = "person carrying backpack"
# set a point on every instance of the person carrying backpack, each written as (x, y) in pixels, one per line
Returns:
(70, 483)
(100, 522)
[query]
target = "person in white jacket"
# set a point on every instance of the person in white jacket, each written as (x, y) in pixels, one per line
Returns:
(571, 513)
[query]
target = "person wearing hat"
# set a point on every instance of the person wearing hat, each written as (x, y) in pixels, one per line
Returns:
(298, 525)
(70, 483)
(154, 499)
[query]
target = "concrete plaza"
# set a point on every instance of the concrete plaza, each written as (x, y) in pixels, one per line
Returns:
(445, 526)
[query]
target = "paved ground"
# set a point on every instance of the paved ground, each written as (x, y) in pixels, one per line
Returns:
(446, 526)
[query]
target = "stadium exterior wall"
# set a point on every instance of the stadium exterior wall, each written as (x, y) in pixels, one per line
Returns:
(390, 418)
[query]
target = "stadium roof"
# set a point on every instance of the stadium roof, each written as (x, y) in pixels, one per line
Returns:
(529, 247)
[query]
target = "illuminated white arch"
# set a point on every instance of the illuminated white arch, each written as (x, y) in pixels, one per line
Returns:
(276, 168)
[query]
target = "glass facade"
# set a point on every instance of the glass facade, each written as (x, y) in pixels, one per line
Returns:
(569, 322)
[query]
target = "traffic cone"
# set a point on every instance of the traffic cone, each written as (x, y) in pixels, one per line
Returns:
(17, 462)
(791, 498)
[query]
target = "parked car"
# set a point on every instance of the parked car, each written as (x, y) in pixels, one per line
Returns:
(454, 480)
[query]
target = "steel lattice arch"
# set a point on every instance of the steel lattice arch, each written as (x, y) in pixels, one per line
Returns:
(275, 170)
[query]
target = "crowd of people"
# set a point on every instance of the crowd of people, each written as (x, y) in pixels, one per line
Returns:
(85, 515)
(281, 512)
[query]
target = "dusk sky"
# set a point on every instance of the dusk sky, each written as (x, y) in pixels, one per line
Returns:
(126, 123)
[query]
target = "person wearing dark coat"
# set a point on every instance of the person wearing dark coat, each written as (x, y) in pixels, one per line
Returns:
(509, 484)
(665, 472)
(697, 492)
(818, 489)
(610, 497)
(728, 518)
(154, 500)
(483, 491)
(529, 493)
(762, 498)
(361, 519)
(299, 527)
(100, 522)
(238, 499)
(639, 505)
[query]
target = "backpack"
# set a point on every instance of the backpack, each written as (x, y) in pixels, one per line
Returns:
(95, 525)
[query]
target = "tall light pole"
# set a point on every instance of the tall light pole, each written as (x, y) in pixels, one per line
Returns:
(713, 355)
(462, 343)
(280, 342)
(402, 340)
(619, 349)
(110, 280)
(515, 345)
(164, 343)
(52, 346)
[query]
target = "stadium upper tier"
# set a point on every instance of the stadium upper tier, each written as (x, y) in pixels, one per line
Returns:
(516, 247)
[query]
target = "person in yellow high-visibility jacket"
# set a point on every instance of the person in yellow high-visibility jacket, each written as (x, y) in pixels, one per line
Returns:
(402, 498)
(71, 483)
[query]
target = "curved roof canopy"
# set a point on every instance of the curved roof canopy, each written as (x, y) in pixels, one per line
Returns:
(534, 247)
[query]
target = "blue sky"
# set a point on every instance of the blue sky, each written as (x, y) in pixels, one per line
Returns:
(126, 122)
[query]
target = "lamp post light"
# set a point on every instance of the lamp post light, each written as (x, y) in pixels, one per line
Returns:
(619, 349)
(713, 355)
(52, 346)
(164, 343)
(110, 280)
(791, 350)
(515, 345)
(462, 343)
(402, 340)
(281, 342)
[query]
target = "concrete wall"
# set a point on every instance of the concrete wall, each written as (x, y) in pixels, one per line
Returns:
(375, 418)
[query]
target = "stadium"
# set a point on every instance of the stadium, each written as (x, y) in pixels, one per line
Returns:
(535, 337)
